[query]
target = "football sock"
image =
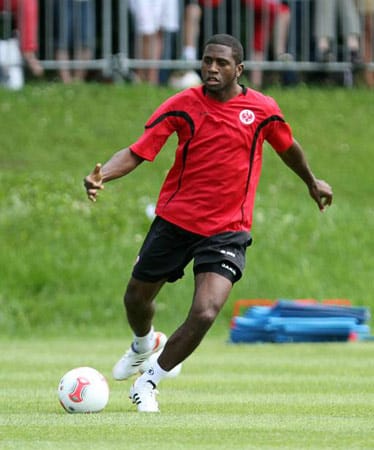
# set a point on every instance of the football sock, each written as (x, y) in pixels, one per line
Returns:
(142, 344)
(155, 374)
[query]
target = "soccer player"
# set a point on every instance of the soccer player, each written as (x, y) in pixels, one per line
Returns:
(204, 209)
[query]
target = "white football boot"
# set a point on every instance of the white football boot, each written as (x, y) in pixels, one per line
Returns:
(131, 361)
(143, 394)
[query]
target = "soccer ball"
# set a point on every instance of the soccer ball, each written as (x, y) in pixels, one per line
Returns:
(83, 390)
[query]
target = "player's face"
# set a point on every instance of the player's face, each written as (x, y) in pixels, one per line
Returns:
(219, 70)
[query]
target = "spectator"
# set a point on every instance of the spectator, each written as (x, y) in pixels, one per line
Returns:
(271, 19)
(154, 19)
(74, 35)
(366, 8)
(327, 14)
(191, 33)
(216, 18)
(26, 17)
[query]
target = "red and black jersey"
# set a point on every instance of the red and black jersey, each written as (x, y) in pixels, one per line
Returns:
(212, 184)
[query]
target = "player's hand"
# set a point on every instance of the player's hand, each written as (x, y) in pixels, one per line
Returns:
(94, 183)
(321, 192)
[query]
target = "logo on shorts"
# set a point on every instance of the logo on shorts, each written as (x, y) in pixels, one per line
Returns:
(228, 253)
(227, 267)
(247, 116)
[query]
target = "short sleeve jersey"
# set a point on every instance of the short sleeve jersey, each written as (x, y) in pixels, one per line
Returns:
(211, 186)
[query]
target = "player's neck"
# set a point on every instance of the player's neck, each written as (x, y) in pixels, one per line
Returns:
(226, 94)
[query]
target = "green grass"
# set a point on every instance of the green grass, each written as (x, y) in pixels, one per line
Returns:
(64, 262)
(227, 397)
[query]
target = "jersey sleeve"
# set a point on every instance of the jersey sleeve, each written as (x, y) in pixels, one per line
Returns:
(278, 131)
(280, 136)
(158, 128)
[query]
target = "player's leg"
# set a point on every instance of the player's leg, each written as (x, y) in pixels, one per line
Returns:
(211, 293)
(162, 258)
(219, 262)
(139, 302)
(139, 306)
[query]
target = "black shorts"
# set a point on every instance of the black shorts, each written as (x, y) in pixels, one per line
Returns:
(167, 249)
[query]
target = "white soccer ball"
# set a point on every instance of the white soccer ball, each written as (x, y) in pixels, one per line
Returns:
(83, 390)
(152, 359)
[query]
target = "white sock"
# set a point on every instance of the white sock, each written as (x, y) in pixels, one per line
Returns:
(155, 374)
(142, 344)
(189, 53)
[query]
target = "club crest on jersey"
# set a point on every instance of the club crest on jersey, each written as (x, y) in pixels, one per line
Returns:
(247, 116)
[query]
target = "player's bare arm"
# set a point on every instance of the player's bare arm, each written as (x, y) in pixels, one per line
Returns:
(120, 164)
(319, 190)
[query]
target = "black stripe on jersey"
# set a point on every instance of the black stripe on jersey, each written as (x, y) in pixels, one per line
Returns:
(253, 150)
(182, 114)
(191, 124)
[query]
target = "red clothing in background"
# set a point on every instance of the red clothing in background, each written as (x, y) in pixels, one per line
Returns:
(26, 14)
(265, 12)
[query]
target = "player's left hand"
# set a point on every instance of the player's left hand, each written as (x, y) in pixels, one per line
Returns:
(94, 183)
(321, 192)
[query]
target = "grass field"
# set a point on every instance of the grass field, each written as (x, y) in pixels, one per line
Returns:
(64, 263)
(227, 397)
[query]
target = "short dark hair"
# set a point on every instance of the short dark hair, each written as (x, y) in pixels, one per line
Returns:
(229, 41)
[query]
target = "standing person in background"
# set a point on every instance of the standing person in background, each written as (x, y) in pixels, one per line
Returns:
(366, 8)
(74, 27)
(153, 19)
(26, 15)
(216, 18)
(205, 207)
(191, 30)
(191, 34)
(271, 23)
(327, 14)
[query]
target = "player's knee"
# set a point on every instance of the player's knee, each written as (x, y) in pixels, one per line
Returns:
(204, 318)
(133, 295)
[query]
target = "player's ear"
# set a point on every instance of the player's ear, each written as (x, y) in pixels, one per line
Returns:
(239, 70)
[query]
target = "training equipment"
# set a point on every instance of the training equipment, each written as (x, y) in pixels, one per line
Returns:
(143, 394)
(300, 321)
(131, 361)
(152, 359)
(83, 390)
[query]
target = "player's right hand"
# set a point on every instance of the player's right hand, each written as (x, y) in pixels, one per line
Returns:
(322, 194)
(94, 183)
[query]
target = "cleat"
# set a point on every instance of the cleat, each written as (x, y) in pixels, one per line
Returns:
(143, 395)
(131, 361)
